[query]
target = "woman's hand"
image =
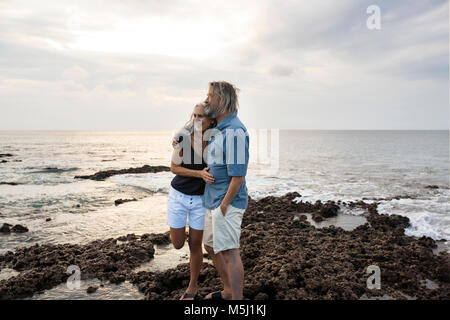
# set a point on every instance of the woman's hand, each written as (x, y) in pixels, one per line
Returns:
(206, 176)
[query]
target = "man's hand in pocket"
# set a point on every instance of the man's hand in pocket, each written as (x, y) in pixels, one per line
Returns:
(223, 208)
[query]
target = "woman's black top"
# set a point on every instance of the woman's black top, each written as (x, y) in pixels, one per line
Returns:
(190, 185)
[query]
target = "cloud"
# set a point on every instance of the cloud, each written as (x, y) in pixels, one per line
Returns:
(317, 63)
(282, 71)
(75, 73)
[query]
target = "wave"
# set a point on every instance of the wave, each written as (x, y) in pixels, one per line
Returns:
(53, 170)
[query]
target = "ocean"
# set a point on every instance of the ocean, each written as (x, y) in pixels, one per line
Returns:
(320, 165)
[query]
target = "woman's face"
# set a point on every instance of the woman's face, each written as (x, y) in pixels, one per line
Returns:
(200, 118)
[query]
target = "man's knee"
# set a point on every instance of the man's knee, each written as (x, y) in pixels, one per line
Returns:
(230, 255)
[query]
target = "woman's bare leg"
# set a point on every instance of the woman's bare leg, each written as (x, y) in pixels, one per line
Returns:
(178, 237)
(196, 258)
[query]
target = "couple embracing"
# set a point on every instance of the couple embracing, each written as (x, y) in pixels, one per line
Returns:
(210, 160)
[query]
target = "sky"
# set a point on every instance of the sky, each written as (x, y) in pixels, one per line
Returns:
(143, 65)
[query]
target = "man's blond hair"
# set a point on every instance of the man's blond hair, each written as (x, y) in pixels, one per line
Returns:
(227, 93)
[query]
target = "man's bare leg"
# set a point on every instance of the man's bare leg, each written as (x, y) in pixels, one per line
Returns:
(221, 266)
(235, 272)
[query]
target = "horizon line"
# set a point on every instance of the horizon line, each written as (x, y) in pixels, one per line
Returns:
(99, 130)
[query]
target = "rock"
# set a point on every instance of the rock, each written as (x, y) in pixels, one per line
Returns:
(427, 242)
(6, 155)
(91, 289)
(102, 175)
(44, 266)
(432, 187)
(6, 228)
(48, 219)
(292, 195)
(283, 258)
(317, 217)
(261, 296)
(443, 272)
(300, 224)
(120, 201)
(19, 229)
(329, 210)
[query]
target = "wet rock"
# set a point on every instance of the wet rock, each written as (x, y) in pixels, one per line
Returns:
(48, 219)
(317, 217)
(91, 289)
(329, 210)
(286, 258)
(443, 272)
(405, 196)
(19, 229)
(6, 228)
(432, 187)
(2, 155)
(300, 224)
(10, 183)
(102, 175)
(386, 222)
(292, 195)
(45, 266)
(261, 296)
(120, 201)
(427, 242)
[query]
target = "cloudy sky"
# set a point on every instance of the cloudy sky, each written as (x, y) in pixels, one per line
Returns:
(142, 65)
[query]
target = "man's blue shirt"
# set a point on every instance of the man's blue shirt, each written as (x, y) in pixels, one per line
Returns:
(228, 155)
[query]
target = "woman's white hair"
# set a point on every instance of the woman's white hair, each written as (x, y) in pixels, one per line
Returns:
(188, 128)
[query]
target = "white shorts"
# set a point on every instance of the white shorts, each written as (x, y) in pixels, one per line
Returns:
(223, 233)
(180, 206)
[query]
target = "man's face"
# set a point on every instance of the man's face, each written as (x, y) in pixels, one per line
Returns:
(212, 101)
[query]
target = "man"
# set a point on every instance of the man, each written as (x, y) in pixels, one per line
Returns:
(227, 198)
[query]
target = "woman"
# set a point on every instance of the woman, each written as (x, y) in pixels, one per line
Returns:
(186, 190)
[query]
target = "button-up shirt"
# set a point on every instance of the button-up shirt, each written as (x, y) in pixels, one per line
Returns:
(227, 157)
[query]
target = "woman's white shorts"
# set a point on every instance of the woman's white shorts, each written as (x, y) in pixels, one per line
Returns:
(181, 206)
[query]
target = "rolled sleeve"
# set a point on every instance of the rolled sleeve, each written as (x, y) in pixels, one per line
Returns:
(237, 161)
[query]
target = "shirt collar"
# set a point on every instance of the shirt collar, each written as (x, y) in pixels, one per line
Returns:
(228, 119)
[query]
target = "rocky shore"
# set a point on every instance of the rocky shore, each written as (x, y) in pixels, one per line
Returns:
(102, 175)
(284, 257)
(43, 267)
